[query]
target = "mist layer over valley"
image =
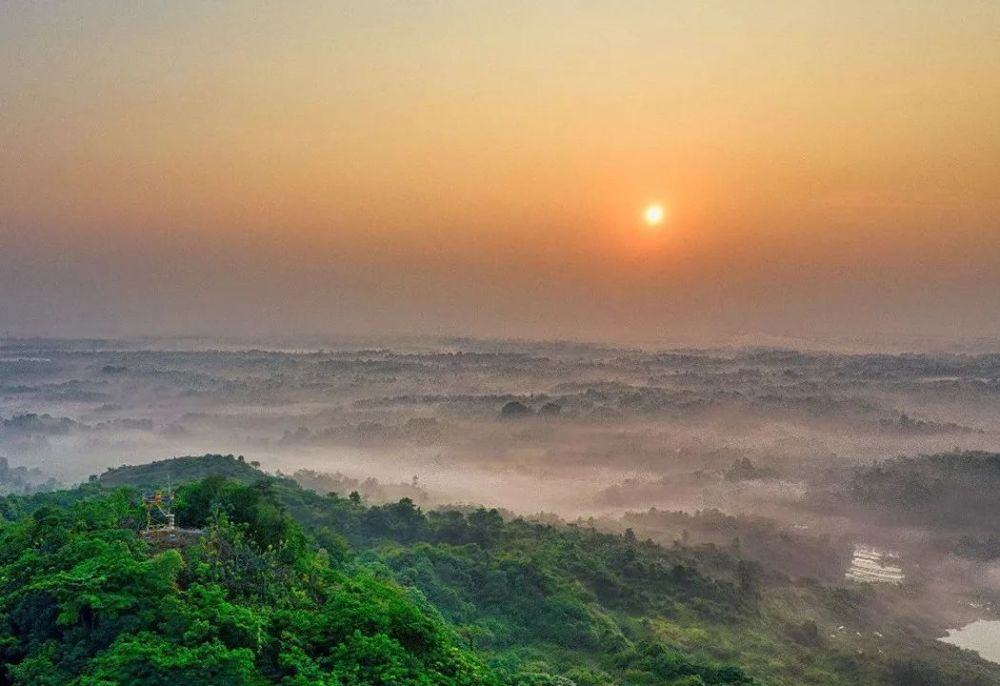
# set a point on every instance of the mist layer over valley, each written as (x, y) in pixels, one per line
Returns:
(873, 476)
(572, 429)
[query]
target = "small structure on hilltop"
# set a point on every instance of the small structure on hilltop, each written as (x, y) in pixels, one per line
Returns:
(161, 527)
(159, 512)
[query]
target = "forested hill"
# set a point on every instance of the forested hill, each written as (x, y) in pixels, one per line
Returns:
(282, 585)
(957, 489)
(181, 470)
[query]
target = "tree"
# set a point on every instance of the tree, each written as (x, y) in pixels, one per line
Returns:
(515, 410)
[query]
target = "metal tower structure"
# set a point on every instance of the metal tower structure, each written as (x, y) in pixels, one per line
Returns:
(159, 512)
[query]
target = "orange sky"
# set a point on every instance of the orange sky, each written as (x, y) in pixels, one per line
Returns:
(829, 169)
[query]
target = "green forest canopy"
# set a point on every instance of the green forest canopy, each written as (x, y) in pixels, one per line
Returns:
(280, 585)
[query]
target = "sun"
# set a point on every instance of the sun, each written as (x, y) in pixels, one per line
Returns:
(653, 214)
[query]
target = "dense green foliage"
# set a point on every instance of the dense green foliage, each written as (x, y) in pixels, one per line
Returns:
(86, 600)
(181, 470)
(244, 596)
(268, 583)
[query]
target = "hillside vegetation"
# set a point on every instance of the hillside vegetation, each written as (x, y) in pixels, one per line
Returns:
(287, 586)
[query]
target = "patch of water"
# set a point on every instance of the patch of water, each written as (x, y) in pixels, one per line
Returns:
(982, 636)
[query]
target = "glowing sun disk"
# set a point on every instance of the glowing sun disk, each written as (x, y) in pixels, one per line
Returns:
(653, 214)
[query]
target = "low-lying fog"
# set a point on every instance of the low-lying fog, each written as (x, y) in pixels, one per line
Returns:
(596, 430)
(772, 447)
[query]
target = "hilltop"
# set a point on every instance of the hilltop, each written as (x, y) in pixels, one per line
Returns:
(179, 470)
(500, 601)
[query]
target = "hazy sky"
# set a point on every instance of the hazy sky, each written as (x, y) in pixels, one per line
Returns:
(827, 168)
